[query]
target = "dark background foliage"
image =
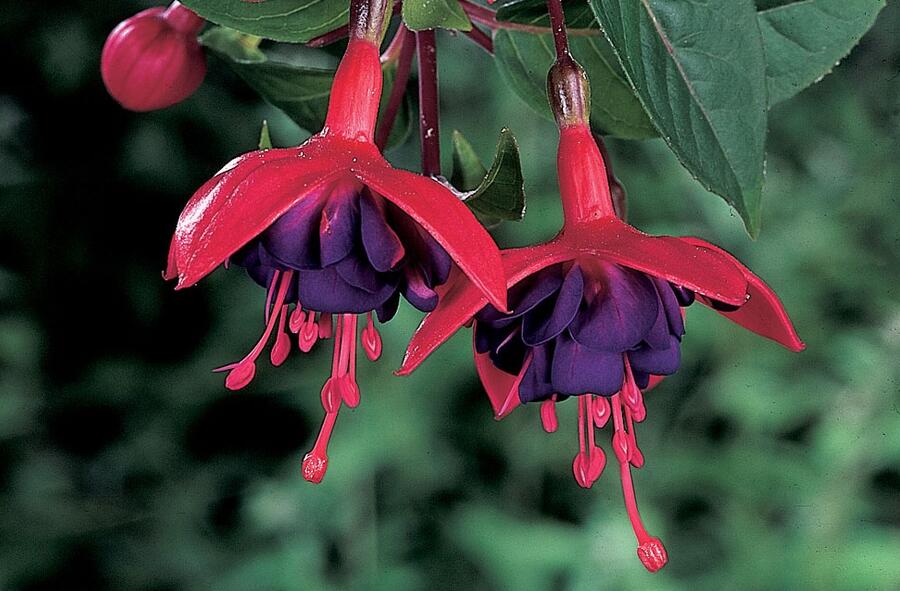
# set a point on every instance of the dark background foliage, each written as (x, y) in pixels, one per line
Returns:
(125, 464)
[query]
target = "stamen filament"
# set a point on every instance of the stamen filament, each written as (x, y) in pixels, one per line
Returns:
(269, 293)
(241, 373)
(315, 463)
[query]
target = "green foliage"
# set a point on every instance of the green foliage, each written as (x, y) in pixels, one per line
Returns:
(534, 13)
(524, 60)
(804, 40)
(293, 21)
(295, 80)
(435, 14)
(265, 139)
(699, 70)
(494, 195)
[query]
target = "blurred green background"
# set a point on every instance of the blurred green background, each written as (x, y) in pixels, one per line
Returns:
(125, 464)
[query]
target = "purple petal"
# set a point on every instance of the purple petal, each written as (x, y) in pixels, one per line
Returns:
(659, 335)
(509, 353)
(578, 369)
(536, 383)
(383, 246)
(660, 362)
(550, 318)
(684, 296)
(418, 293)
(338, 227)
(620, 315)
(356, 271)
(326, 291)
(293, 238)
(437, 266)
(387, 310)
(671, 306)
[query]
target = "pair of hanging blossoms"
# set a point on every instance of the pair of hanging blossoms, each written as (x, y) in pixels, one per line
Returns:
(331, 230)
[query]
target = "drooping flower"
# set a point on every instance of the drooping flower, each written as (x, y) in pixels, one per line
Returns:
(331, 229)
(597, 312)
(153, 59)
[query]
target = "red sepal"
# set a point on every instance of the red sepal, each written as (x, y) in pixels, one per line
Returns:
(460, 300)
(502, 388)
(674, 259)
(763, 313)
(244, 198)
(446, 218)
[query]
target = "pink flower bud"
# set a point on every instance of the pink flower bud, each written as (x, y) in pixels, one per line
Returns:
(153, 59)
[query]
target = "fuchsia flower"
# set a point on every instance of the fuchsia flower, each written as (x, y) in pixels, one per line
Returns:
(331, 228)
(153, 59)
(597, 311)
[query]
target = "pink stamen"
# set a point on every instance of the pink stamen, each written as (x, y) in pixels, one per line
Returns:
(325, 327)
(589, 463)
(347, 385)
(371, 339)
(602, 411)
(309, 333)
(331, 396)
(241, 373)
(315, 463)
(298, 317)
(650, 550)
(636, 457)
(632, 395)
(549, 421)
(270, 293)
(282, 347)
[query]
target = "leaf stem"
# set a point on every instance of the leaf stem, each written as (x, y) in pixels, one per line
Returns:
(429, 129)
(488, 18)
(406, 40)
(481, 38)
(329, 37)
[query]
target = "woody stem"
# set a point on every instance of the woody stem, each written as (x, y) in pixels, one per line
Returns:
(429, 132)
(558, 25)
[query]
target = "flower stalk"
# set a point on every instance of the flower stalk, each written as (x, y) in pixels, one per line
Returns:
(429, 110)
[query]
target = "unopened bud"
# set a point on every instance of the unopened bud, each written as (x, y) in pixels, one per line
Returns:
(153, 59)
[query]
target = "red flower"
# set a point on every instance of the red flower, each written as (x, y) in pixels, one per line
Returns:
(596, 310)
(334, 228)
(153, 59)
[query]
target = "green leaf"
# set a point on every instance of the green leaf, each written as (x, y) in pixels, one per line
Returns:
(534, 13)
(435, 14)
(265, 140)
(297, 81)
(468, 171)
(804, 39)
(497, 194)
(700, 71)
(524, 59)
(293, 21)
